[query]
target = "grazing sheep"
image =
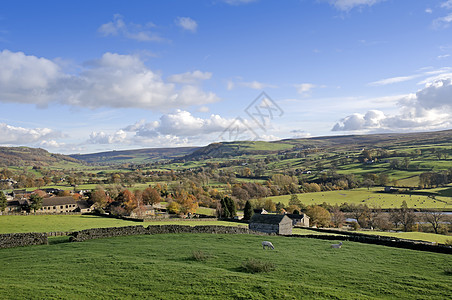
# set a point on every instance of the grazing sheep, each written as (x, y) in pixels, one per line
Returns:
(268, 244)
(336, 245)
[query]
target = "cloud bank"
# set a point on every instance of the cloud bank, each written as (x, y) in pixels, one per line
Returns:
(114, 80)
(429, 109)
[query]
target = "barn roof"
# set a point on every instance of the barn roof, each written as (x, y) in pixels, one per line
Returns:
(58, 201)
(297, 216)
(267, 218)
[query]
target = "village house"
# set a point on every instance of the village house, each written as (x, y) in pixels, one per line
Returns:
(299, 219)
(269, 223)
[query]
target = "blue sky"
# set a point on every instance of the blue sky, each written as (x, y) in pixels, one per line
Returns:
(88, 76)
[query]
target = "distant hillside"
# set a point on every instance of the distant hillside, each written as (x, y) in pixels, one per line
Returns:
(24, 156)
(348, 142)
(138, 156)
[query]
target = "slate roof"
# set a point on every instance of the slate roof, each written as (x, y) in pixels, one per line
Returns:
(54, 201)
(83, 204)
(296, 216)
(267, 218)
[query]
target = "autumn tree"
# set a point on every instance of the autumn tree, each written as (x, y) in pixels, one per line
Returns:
(151, 196)
(3, 202)
(99, 198)
(319, 216)
(188, 203)
(173, 207)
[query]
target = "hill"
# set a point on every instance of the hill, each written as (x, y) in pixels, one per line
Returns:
(138, 156)
(25, 156)
(343, 142)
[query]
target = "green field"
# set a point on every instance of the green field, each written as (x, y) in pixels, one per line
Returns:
(50, 223)
(373, 198)
(162, 267)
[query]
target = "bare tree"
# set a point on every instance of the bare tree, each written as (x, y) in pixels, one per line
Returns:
(434, 217)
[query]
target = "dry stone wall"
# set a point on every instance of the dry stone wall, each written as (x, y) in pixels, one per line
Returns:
(11, 240)
(96, 233)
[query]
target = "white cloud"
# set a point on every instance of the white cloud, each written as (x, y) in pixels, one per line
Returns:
(27, 79)
(393, 80)
(181, 123)
(114, 80)
(304, 88)
(428, 10)
(447, 4)
(255, 85)
(137, 32)
(187, 23)
(443, 56)
(105, 138)
(430, 108)
(190, 77)
(12, 135)
(347, 5)
(443, 22)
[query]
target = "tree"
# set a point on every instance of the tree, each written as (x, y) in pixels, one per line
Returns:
(368, 183)
(3, 202)
(151, 196)
(434, 217)
(228, 207)
(99, 198)
(407, 217)
(319, 216)
(248, 211)
(35, 202)
(173, 207)
(337, 216)
(294, 200)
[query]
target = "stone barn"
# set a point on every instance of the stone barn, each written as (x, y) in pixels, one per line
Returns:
(268, 223)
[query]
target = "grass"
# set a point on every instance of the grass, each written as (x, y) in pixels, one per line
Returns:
(373, 198)
(50, 223)
(419, 236)
(162, 267)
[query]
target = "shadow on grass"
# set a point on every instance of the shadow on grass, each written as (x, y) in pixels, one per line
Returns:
(58, 240)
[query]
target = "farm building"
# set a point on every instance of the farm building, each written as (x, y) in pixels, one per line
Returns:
(299, 219)
(268, 223)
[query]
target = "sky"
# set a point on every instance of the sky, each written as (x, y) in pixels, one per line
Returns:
(92, 76)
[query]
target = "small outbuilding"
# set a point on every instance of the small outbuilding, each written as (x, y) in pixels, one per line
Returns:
(269, 223)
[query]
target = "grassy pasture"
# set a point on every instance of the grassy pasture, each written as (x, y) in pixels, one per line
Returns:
(373, 198)
(419, 236)
(50, 223)
(162, 267)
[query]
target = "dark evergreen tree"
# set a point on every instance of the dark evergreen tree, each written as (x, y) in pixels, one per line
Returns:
(248, 211)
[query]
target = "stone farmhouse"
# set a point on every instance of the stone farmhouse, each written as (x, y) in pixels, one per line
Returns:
(269, 223)
(52, 205)
(299, 219)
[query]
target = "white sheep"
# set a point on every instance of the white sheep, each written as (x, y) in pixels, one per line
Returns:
(336, 245)
(268, 244)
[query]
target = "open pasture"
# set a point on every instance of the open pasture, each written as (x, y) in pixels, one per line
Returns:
(50, 223)
(163, 267)
(373, 198)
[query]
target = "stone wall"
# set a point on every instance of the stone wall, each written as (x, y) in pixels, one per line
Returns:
(384, 241)
(97, 233)
(11, 240)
